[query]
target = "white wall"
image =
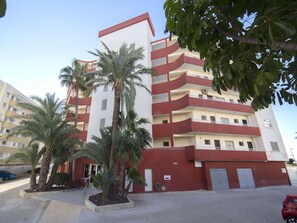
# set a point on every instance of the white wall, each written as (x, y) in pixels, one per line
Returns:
(271, 134)
(141, 35)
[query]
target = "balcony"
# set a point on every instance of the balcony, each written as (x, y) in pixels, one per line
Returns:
(179, 82)
(82, 135)
(81, 101)
(186, 101)
(163, 52)
(224, 155)
(192, 126)
(165, 68)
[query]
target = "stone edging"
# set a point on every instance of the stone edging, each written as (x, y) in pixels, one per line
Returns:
(111, 207)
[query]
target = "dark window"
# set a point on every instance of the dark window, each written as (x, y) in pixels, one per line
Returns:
(166, 143)
(164, 121)
(274, 146)
(250, 146)
(217, 144)
(203, 117)
(244, 121)
(102, 123)
(7, 130)
(241, 143)
(3, 142)
(236, 120)
(207, 142)
(105, 88)
(104, 104)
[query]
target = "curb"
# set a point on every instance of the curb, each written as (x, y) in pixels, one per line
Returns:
(111, 207)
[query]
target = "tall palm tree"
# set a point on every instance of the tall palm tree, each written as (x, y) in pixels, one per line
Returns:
(45, 123)
(131, 140)
(29, 155)
(122, 71)
(73, 77)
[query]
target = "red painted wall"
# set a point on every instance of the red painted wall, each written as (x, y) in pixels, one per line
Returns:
(184, 175)
(265, 173)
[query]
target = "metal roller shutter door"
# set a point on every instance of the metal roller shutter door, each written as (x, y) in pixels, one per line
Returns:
(246, 178)
(219, 179)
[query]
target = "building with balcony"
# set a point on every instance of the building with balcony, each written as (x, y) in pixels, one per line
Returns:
(10, 116)
(201, 139)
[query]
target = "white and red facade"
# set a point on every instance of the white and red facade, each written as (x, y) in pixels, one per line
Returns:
(201, 140)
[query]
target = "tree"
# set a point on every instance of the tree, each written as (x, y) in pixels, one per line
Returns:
(99, 151)
(2, 8)
(250, 46)
(46, 124)
(122, 71)
(73, 78)
(31, 156)
(131, 140)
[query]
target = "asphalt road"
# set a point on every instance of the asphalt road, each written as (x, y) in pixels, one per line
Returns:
(14, 209)
(232, 206)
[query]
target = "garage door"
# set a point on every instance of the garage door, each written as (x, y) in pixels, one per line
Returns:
(246, 178)
(219, 179)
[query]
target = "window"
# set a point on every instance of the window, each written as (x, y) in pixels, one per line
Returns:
(105, 88)
(229, 145)
(244, 121)
(274, 146)
(224, 120)
(164, 121)
(7, 94)
(209, 97)
(7, 130)
(3, 142)
(236, 120)
(241, 143)
(200, 96)
(250, 146)
(231, 100)
(104, 104)
(267, 123)
(203, 117)
(207, 142)
(102, 123)
(166, 143)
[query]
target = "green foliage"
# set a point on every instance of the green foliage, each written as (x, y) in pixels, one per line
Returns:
(2, 8)
(45, 123)
(61, 178)
(249, 46)
(103, 181)
(73, 77)
(291, 161)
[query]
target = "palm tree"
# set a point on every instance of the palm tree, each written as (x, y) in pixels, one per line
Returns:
(131, 140)
(99, 151)
(29, 155)
(61, 153)
(73, 77)
(45, 123)
(122, 71)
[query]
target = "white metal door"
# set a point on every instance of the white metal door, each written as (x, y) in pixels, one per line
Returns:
(148, 180)
(246, 178)
(219, 179)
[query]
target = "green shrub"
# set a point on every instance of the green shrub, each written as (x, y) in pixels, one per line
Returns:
(61, 178)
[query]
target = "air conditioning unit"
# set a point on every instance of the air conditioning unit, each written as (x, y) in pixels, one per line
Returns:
(204, 91)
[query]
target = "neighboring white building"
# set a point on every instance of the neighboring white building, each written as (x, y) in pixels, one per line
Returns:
(9, 110)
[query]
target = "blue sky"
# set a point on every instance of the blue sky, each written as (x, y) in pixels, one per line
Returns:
(38, 38)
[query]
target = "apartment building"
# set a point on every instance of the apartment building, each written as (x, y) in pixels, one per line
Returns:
(9, 112)
(201, 139)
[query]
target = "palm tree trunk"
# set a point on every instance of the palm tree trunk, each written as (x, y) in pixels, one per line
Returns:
(50, 181)
(45, 163)
(33, 185)
(122, 178)
(76, 107)
(115, 127)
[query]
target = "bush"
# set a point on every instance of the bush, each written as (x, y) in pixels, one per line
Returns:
(291, 161)
(61, 178)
